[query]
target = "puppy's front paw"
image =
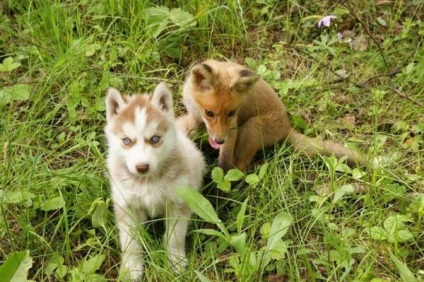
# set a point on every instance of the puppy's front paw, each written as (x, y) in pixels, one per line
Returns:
(187, 125)
(132, 268)
(178, 263)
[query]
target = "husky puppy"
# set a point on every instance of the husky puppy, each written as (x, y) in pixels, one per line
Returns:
(147, 159)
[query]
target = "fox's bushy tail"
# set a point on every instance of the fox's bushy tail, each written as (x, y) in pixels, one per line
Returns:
(313, 147)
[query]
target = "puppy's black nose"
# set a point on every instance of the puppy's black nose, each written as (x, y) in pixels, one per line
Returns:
(219, 141)
(142, 168)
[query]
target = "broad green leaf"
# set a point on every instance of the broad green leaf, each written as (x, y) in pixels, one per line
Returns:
(396, 191)
(357, 250)
(252, 179)
(417, 205)
(233, 175)
(16, 92)
(224, 186)
(8, 65)
(181, 18)
(279, 228)
(5, 97)
(15, 197)
(265, 230)
(173, 51)
(403, 236)
(279, 250)
(358, 173)
(341, 166)
(61, 271)
(98, 218)
(212, 232)
(409, 68)
(378, 233)
(263, 170)
(348, 232)
(404, 271)
(217, 175)
(53, 204)
(201, 276)
(93, 264)
(241, 215)
(393, 224)
(54, 262)
(16, 266)
(238, 242)
(381, 21)
(159, 19)
(56, 266)
(299, 122)
(157, 13)
(201, 206)
(345, 189)
(19, 92)
(92, 49)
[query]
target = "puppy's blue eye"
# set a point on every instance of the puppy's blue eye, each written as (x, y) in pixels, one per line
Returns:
(126, 141)
(155, 139)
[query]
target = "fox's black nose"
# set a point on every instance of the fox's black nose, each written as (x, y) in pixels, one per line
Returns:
(142, 168)
(219, 141)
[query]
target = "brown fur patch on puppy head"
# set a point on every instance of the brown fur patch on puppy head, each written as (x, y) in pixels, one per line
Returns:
(121, 109)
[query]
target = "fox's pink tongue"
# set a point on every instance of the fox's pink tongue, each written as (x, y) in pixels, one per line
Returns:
(213, 143)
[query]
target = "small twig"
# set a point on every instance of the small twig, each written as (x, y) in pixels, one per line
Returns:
(387, 75)
(368, 32)
(326, 66)
(403, 95)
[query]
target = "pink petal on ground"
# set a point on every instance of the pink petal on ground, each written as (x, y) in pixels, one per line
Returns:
(325, 21)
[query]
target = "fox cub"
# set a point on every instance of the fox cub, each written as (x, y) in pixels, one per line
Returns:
(242, 114)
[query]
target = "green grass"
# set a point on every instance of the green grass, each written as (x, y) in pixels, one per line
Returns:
(58, 57)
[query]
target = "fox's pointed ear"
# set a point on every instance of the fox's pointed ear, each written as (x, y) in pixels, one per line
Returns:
(162, 98)
(246, 81)
(114, 102)
(202, 76)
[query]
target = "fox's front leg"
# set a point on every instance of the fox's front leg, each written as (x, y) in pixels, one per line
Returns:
(226, 152)
(132, 261)
(255, 134)
(176, 223)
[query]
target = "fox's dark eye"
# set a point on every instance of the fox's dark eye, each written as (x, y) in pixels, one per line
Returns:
(126, 141)
(209, 113)
(230, 114)
(155, 139)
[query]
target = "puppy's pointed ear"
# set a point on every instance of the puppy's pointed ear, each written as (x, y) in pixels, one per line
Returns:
(246, 81)
(162, 98)
(202, 76)
(114, 102)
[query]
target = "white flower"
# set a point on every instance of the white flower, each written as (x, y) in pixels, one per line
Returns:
(325, 21)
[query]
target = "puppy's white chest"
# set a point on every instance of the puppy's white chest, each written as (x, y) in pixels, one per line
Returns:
(148, 196)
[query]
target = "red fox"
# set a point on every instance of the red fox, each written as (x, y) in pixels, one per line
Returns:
(242, 114)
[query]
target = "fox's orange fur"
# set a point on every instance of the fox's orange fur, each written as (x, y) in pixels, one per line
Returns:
(243, 114)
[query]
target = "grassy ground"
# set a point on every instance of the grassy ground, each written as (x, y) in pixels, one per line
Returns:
(359, 81)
